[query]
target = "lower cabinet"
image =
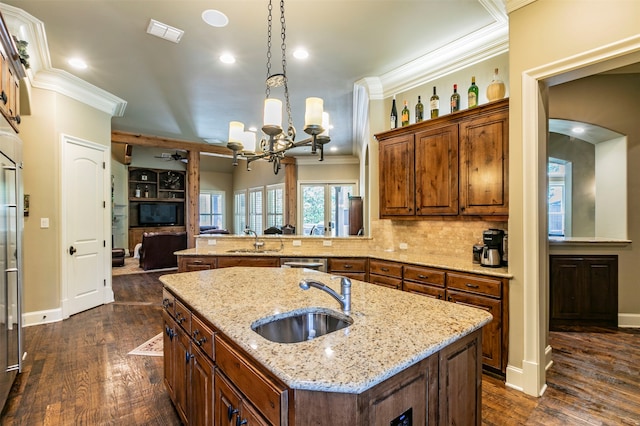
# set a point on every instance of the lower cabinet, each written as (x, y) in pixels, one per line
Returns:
(231, 409)
(385, 273)
(425, 281)
(583, 290)
(196, 263)
(351, 267)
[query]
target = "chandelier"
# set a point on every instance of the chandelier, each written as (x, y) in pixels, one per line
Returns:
(277, 142)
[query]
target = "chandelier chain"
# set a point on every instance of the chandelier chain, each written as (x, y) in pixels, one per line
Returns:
(269, 22)
(283, 27)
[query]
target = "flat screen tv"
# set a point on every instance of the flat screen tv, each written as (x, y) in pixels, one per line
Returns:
(158, 214)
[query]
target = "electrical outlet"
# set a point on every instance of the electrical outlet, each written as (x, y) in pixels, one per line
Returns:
(404, 246)
(326, 243)
(297, 243)
(44, 222)
(211, 242)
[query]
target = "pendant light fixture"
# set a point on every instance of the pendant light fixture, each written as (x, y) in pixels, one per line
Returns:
(278, 141)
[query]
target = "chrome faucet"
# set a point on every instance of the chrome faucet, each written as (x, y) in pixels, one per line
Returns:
(345, 289)
(257, 244)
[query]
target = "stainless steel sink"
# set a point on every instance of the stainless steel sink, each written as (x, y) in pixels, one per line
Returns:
(298, 326)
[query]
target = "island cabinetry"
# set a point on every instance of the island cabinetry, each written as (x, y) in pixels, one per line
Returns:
(385, 273)
(229, 261)
(254, 391)
(188, 362)
(231, 409)
(426, 281)
(351, 267)
(455, 165)
(196, 263)
(484, 293)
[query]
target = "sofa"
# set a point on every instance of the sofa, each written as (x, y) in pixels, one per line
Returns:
(209, 230)
(157, 249)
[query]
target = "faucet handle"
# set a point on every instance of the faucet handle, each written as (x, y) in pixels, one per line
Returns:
(344, 281)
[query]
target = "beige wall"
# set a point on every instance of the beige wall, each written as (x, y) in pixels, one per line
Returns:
(51, 115)
(541, 33)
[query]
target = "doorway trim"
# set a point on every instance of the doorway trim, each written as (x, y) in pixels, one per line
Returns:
(537, 353)
(64, 290)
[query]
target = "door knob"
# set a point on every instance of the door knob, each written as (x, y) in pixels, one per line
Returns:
(72, 250)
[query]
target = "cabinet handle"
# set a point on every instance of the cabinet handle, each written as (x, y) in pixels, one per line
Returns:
(240, 422)
(3, 97)
(347, 266)
(450, 299)
(197, 262)
(188, 356)
(231, 412)
(424, 277)
(384, 269)
(472, 285)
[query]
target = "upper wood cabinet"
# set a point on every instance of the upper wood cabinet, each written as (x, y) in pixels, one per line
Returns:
(11, 72)
(448, 166)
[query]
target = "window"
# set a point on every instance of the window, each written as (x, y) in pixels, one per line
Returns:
(559, 197)
(239, 211)
(275, 206)
(325, 208)
(212, 209)
(255, 210)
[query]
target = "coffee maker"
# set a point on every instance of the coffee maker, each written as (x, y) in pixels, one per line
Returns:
(492, 251)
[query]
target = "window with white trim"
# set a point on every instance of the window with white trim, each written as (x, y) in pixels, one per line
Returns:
(239, 211)
(275, 205)
(211, 205)
(559, 197)
(255, 209)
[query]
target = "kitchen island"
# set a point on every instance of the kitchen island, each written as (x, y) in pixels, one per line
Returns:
(404, 356)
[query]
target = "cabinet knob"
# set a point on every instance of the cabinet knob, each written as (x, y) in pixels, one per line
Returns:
(3, 97)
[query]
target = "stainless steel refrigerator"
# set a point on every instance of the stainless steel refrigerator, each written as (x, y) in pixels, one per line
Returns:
(11, 224)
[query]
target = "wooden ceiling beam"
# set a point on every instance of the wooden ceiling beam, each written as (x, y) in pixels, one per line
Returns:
(167, 143)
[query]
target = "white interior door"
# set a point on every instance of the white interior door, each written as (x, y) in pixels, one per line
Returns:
(85, 219)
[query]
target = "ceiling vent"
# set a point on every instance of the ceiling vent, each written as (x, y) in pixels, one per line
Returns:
(164, 31)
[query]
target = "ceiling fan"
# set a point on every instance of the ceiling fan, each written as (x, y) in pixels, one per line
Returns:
(175, 157)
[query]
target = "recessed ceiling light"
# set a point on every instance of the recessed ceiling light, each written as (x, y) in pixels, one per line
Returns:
(78, 63)
(333, 149)
(253, 129)
(300, 54)
(215, 18)
(227, 58)
(578, 130)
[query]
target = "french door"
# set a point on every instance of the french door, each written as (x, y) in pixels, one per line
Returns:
(325, 208)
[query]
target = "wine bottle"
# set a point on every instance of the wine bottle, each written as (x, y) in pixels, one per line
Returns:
(405, 114)
(455, 99)
(146, 191)
(473, 93)
(419, 111)
(137, 191)
(496, 89)
(434, 104)
(394, 115)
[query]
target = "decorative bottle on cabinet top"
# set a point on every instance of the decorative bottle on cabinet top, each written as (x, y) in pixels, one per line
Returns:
(455, 99)
(405, 114)
(394, 115)
(496, 90)
(419, 111)
(434, 104)
(473, 93)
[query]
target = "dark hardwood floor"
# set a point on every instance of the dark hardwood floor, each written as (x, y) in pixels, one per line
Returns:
(78, 372)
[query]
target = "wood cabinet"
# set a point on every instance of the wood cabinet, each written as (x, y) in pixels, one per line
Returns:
(583, 290)
(196, 263)
(231, 408)
(11, 72)
(351, 267)
(229, 261)
(188, 362)
(422, 280)
(163, 193)
(385, 273)
(484, 293)
(356, 226)
(456, 165)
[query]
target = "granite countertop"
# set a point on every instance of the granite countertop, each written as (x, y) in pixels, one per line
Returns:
(454, 263)
(392, 329)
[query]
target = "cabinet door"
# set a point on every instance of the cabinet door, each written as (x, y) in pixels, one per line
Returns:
(201, 402)
(227, 402)
(601, 292)
(492, 332)
(436, 165)
(484, 163)
(565, 288)
(181, 372)
(168, 351)
(396, 176)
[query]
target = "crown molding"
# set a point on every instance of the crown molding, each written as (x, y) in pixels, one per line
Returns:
(517, 4)
(475, 47)
(43, 76)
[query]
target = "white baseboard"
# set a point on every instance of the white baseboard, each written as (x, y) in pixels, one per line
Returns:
(629, 320)
(514, 378)
(547, 357)
(41, 317)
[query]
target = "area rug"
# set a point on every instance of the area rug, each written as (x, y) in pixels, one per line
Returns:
(152, 347)
(132, 266)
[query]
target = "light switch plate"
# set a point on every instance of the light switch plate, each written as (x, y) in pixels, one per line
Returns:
(44, 222)
(297, 243)
(211, 242)
(326, 243)
(404, 246)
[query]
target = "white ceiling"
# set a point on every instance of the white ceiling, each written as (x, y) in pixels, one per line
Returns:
(183, 91)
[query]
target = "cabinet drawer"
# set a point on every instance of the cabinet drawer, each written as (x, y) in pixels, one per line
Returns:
(424, 289)
(475, 284)
(267, 397)
(383, 267)
(348, 265)
(190, 263)
(183, 316)
(168, 302)
(360, 276)
(229, 261)
(385, 281)
(424, 275)
(202, 336)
